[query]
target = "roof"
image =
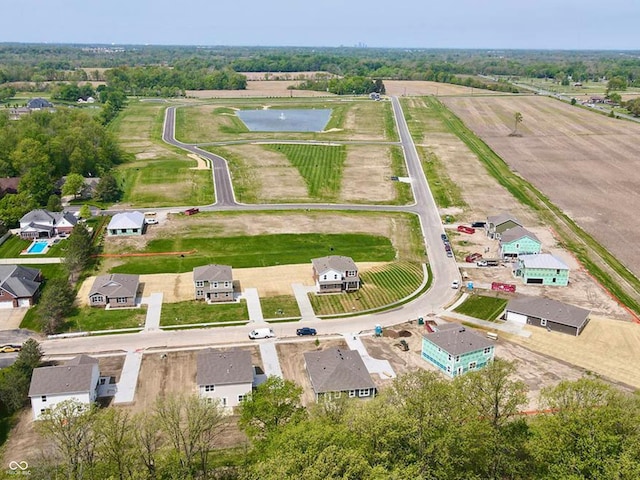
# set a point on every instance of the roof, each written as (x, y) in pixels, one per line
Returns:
(219, 367)
(126, 220)
(44, 218)
(337, 370)
(19, 281)
(115, 285)
(82, 360)
(516, 233)
(69, 378)
(458, 341)
(552, 310)
(39, 102)
(543, 260)
(334, 262)
(502, 218)
(213, 273)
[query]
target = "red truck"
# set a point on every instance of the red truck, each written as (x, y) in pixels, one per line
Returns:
(503, 287)
(472, 257)
(465, 229)
(191, 211)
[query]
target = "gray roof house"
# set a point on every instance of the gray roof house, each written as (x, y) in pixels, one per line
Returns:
(519, 241)
(126, 223)
(547, 313)
(39, 103)
(335, 274)
(335, 371)
(213, 283)
(115, 290)
(497, 224)
(226, 376)
(41, 223)
(76, 380)
(18, 286)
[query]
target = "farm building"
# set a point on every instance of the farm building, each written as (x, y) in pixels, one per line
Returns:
(455, 349)
(213, 283)
(542, 269)
(547, 313)
(116, 290)
(335, 371)
(226, 376)
(497, 224)
(335, 274)
(127, 223)
(518, 241)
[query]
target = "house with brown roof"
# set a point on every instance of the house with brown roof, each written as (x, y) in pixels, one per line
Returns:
(225, 376)
(45, 224)
(115, 290)
(497, 224)
(18, 286)
(77, 380)
(547, 313)
(336, 371)
(518, 241)
(213, 283)
(335, 274)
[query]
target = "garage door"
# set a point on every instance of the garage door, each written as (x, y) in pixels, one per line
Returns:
(6, 304)
(24, 302)
(534, 280)
(517, 317)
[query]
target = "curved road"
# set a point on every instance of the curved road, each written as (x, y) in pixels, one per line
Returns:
(444, 269)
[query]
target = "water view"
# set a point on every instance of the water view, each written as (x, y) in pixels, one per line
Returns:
(308, 120)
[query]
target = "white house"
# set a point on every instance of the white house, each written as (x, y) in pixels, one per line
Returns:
(335, 274)
(44, 224)
(76, 380)
(127, 223)
(226, 376)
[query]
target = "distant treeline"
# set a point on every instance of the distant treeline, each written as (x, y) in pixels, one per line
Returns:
(343, 86)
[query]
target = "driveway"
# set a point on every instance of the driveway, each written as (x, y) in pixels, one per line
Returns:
(154, 309)
(126, 388)
(10, 318)
(381, 367)
(253, 304)
(304, 304)
(270, 360)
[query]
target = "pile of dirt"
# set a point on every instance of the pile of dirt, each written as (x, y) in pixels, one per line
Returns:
(404, 333)
(390, 333)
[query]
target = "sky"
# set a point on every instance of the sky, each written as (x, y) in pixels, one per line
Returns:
(536, 24)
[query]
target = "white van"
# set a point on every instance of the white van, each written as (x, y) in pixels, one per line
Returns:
(261, 333)
(150, 218)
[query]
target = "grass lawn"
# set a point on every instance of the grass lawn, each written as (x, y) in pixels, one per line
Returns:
(482, 307)
(14, 245)
(381, 286)
(89, 319)
(445, 192)
(256, 251)
(192, 311)
(279, 306)
(49, 271)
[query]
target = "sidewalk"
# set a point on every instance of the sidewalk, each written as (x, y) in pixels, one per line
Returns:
(154, 309)
(253, 304)
(304, 304)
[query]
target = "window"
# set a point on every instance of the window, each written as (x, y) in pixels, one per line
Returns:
(448, 368)
(215, 285)
(200, 293)
(447, 355)
(226, 294)
(352, 393)
(215, 295)
(472, 365)
(460, 370)
(457, 358)
(223, 401)
(121, 300)
(241, 398)
(335, 277)
(44, 398)
(98, 299)
(487, 350)
(209, 388)
(557, 271)
(364, 392)
(200, 283)
(226, 284)
(337, 394)
(543, 322)
(103, 381)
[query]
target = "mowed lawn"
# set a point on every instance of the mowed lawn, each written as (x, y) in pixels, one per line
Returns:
(482, 306)
(381, 286)
(192, 312)
(255, 251)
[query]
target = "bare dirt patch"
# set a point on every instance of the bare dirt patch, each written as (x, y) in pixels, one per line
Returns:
(257, 88)
(202, 164)
(366, 175)
(586, 163)
(423, 87)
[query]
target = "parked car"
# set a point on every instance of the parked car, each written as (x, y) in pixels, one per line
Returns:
(479, 224)
(444, 237)
(10, 348)
(472, 257)
(306, 331)
(261, 333)
(455, 284)
(488, 263)
(465, 229)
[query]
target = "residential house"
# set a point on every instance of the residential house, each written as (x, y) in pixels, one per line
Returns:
(455, 349)
(77, 380)
(115, 290)
(518, 241)
(39, 103)
(542, 269)
(335, 371)
(213, 283)
(226, 376)
(127, 223)
(45, 224)
(18, 286)
(335, 274)
(497, 224)
(550, 314)
(87, 189)
(18, 113)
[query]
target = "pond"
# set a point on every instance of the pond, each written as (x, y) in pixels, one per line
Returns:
(309, 120)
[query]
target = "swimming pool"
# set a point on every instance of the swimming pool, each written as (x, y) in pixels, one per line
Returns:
(38, 246)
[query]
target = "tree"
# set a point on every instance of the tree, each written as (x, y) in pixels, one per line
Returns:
(633, 106)
(273, 404)
(616, 83)
(14, 388)
(148, 440)
(73, 185)
(54, 204)
(29, 356)
(615, 97)
(14, 207)
(107, 189)
(517, 119)
(78, 249)
(55, 303)
(85, 211)
(38, 183)
(115, 439)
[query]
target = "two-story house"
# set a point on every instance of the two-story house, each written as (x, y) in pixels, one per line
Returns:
(518, 241)
(497, 224)
(44, 224)
(542, 269)
(213, 283)
(225, 376)
(335, 274)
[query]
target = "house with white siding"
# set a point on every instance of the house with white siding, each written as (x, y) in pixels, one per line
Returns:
(225, 376)
(335, 274)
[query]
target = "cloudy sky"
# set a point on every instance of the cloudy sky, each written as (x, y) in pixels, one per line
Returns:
(537, 24)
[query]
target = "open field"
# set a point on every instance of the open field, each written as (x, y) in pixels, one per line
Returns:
(351, 119)
(586, 164)
(190, 312)
(257, 88)
(423, 87)
(484, 307)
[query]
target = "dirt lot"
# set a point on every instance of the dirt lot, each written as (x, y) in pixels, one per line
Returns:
(586, 163)
(271, 88)
(422, 88)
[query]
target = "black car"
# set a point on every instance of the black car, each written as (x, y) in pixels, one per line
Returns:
(306, 331)
(444, 237)
(479, 224)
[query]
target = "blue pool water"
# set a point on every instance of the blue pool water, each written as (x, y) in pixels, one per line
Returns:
(309, 120)
(37, 247)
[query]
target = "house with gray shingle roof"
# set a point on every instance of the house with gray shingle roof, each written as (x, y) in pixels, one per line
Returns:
(45, 224)
(76, 380)
(126, 223)
(226, 376)
(335, 274)
(547, 313)
(115, 290)
(497, 224)
(213, 283)
(18, 285)
(39, 103)
(519, 241)
(455, 349)
(336, 371)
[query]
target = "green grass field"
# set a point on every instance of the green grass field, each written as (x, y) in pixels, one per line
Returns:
(256, 251)
(89, 319)
(445, 192)
(280, 306)
(49, 271)
(381, 286)
(482, 307)
(192, 311)
(14, 245)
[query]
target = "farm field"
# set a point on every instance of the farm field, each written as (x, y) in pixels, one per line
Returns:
(419, 88)
(260, 88)
(586, 164)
